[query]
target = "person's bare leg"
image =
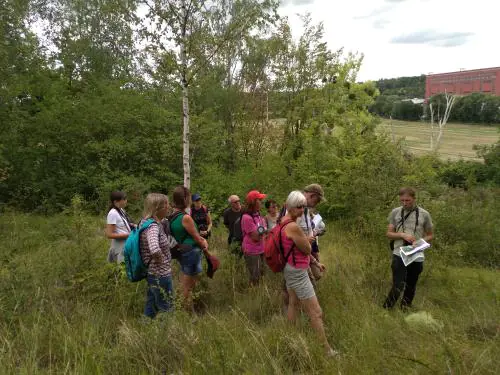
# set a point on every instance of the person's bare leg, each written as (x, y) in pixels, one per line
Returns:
(313, 310)
(293, 306)
(188, 283)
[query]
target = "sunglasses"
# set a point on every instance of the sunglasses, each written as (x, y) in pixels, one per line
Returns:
(300, 207)
(235, 202)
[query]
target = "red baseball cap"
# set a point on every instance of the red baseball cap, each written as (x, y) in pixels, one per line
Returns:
(255, 194)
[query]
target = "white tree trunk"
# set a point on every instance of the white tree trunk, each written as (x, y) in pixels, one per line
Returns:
(450, 101)
(185, 102)
(185, 137)
(431, 108)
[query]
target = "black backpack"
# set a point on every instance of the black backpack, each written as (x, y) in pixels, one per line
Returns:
(237, 231)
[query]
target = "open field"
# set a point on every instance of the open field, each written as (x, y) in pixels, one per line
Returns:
(457, 142)
(64, 310)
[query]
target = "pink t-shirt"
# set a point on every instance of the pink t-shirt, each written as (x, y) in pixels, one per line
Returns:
(301, 260)
(249, 224)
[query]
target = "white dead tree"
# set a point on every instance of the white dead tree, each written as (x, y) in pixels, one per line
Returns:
(442, 120)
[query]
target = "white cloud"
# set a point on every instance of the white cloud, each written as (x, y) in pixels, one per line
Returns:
(433, 37)
(407, 37)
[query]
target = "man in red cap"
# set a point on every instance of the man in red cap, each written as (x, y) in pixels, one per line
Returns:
(254, 228)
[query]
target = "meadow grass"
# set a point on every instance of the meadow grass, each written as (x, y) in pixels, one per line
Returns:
(457, 142)
(64, 310)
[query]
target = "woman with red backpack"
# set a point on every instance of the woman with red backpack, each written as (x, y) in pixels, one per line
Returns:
(297, 251)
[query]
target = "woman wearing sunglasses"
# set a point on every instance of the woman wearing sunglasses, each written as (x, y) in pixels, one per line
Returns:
(297, 249)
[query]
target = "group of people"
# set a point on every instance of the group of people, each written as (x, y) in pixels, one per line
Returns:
(189, 224)
(179, 231)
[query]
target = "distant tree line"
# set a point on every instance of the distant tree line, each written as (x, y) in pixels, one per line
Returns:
(402, 87)
(475, 108)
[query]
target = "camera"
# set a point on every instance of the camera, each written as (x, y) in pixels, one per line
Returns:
(261, 230)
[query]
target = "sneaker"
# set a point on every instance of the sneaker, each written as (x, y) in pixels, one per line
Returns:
(331, 353)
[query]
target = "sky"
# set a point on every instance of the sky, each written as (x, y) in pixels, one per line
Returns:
(407, 37)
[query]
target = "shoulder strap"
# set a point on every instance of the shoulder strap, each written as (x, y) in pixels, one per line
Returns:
(145, 226)
(306, 216)
(124, 218)
(403, 218)
(281, 214)
(282, 226)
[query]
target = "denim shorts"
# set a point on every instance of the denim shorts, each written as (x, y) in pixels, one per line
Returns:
(191, 262)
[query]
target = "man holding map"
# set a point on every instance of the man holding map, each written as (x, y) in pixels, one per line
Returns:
(410, 227)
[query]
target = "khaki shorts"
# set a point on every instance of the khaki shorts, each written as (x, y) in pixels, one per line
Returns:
(297, 279)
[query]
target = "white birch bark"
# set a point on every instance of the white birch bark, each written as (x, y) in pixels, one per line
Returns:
(431, 108)
(450, 101)
(185, 100)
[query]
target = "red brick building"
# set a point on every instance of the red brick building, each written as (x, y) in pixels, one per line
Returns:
(464, 82)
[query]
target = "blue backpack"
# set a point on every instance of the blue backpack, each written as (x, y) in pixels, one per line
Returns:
(136, 269)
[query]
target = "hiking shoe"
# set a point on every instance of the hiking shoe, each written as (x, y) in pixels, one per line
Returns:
(332, 353)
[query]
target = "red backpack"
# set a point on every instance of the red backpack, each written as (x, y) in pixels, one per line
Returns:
(273, 248)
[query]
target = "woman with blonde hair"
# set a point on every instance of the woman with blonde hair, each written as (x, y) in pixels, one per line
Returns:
(297, 248)
(155, 247)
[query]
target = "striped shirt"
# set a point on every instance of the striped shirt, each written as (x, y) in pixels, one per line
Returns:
(153, 241)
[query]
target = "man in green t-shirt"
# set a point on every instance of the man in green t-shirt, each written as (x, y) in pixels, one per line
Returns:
(407, 224)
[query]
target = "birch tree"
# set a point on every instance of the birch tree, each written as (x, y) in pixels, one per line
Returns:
(443, 114)
(187, 35)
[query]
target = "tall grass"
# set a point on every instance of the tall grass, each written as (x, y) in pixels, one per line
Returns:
(63, 309)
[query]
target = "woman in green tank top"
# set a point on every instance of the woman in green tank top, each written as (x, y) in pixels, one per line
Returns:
(184, 230)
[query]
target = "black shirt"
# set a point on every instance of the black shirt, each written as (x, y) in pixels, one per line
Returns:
(230, 217)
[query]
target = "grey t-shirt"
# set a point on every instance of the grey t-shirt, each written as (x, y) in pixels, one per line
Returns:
(409, 224)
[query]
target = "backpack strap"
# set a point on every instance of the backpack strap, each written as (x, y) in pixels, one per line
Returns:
(141, 229)
(306, 217)
(124, 217)
(291, 252)
(403, 219)
(281, 214)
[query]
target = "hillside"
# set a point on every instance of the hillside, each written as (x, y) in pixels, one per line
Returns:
(64, 310)
(403, 87)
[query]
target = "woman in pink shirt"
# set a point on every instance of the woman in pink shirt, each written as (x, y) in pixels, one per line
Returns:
(253, 228)
(297, 248)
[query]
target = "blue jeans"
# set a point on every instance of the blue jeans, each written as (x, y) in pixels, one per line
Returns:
(191, 262)
(159, 297)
